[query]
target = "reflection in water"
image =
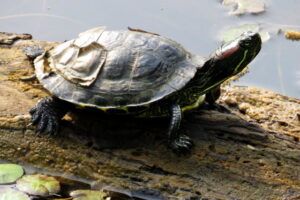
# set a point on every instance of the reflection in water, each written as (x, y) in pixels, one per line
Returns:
(42, 15)
(195, 24)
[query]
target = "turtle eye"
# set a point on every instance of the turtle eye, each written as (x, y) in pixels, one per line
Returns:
(246, 43)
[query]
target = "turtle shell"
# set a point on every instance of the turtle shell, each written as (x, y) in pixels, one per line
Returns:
(113, 69)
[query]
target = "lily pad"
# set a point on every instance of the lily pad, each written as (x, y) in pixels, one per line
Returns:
(11, 194)
(9, 173)
(243, 6)
(233, 32)
(88, 195)
(38, 184)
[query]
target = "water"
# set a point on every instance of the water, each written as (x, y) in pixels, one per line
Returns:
(193, 23)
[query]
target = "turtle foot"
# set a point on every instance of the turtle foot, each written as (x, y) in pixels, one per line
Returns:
(181, 145)
(45, 116)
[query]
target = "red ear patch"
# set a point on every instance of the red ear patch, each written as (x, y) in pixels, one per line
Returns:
(229, 52)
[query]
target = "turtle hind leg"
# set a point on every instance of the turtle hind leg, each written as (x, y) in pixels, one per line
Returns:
(46, 115)
(178, 142)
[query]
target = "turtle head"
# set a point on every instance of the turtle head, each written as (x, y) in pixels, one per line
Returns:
(228, 60)
(236, 54)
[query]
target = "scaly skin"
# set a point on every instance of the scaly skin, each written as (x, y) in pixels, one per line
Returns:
(47, 113)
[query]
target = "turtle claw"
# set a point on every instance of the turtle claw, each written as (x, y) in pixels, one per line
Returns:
(32, 110)
(181, 145)
(30, 124)
(45, 124)
(42, 123)
(37, 133)
(44, 118)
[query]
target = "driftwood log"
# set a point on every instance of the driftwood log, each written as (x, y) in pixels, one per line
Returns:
(247, 148)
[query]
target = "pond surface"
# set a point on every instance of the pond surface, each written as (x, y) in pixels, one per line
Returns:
(195, 24)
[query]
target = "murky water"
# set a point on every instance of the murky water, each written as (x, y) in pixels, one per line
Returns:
(193, 23)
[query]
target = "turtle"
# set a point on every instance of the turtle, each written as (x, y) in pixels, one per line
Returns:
(135, 72)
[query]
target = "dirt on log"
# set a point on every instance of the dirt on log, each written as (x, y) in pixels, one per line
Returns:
(247, 148)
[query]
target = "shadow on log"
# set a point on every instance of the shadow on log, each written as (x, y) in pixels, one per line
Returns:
(248, 150)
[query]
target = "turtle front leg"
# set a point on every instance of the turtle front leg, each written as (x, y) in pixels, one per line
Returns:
(178, 142)
(213, 95)
(46, 115)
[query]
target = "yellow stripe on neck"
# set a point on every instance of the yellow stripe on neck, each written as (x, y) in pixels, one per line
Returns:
(199, 101)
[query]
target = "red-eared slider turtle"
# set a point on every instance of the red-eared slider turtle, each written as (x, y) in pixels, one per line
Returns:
(135, 72)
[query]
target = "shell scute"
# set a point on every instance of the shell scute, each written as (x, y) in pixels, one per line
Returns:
(118, 64)
(153, 66)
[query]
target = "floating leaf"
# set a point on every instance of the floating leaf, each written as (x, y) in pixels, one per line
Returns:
(9, 173)
(88, 195)
(252, 6)
(11, 194)
(233, 32)
(292, 35)
(38, 184)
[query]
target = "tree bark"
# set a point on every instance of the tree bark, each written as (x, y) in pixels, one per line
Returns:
(246, 148)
